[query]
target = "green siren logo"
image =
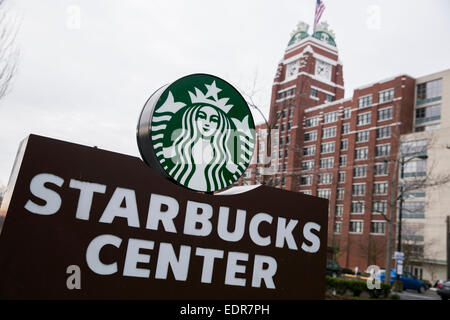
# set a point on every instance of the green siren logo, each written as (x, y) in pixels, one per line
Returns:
(200, 130)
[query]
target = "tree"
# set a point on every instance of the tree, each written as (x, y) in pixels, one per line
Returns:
(9, 52)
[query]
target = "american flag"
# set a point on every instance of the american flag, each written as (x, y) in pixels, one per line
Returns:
(320, 6)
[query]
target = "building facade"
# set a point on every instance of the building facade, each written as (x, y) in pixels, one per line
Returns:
(345, 150)
(426, 208)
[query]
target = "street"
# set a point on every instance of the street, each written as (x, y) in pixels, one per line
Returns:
(414, 295)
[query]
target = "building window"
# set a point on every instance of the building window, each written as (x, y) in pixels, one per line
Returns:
(324, 193)
(340, 194)
(347, 113)
(382, 150)
(284, 166)
(379, 207)
(359, 171)
(306, 192)
(427, 114)
(330, 117)
(383, 132)
(413, 210)
(283, 114)
(326, 163)
(278, 115)
(416, 168)
(357, 207)
(325, 178)
(429, 91)
(337, 227)
(356, 226)
(339, 210)
(341, 177)
(289, 125)
(308, 165)
(363, 119)
(329, 98)
(380, 188)
(283, 127)
(288, 139)
(385, 96)
(311, 122)
(345, 128)
(385, 114)
(344, 144)
(427, 128)
(328, 132)
(358, 189)
(313, 93)
(280, 154)
(309, 151)
(361, 153)
(377, 227)
(286, 152)
(327, 147)
(365, 101)
(306, 180)
(342, 161)
(281, 141)
(414, 148)
(311, 136)
(381, 169)
(362, 136)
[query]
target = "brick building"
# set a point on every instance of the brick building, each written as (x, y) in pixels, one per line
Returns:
(344, 150)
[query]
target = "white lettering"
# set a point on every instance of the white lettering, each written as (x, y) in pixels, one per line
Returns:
(93, 254)
(38, 189)
(311, 237)
(114, 208)
(87, 190)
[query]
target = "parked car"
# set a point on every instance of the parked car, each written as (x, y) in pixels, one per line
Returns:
(443, 289)
(333, 268)
(409, 281)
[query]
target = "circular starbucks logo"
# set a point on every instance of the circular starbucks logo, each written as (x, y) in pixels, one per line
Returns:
(198, 131)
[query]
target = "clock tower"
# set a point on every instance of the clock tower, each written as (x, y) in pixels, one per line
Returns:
(310, 74)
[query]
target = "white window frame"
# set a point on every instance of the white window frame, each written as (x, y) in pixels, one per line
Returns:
(387, 137)
(346, 125)
(310, 132)
(364, 97)
(341, 210)
(365, 171)
(338, 192)
(309, 154)
(382, 145)
(378, 183)
(366, 134)
(324, 190)
(359, 203)
(374, 207)
(330, 129)
(356, 232)
(340, 227)
(363, 114)
(327, 160)
(367, 153)
(365, 189)
(376, 233)
(383, 109)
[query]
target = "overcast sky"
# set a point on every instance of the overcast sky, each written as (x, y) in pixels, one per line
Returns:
(87, 67)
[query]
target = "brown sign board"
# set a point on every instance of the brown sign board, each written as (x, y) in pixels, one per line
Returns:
(85, 223)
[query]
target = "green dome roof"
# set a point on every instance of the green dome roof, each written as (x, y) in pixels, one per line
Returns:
(324, 36)
(297, 37)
